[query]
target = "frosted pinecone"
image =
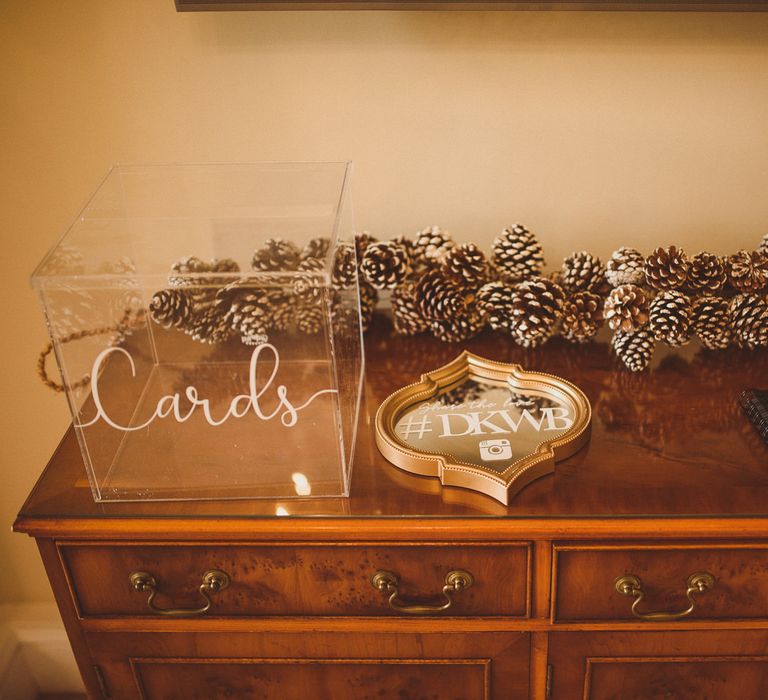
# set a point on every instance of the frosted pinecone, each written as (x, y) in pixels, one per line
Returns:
(316, 248)
(209, 327)
(582, 316)
(458, 328)
(308, 283)
(362, 241)
(344, 273)
(670, 318)
(763, 247)
(626, 308)
(517, 253)
(625, 266)
(635, 350)
(536, 306)
(749, 320)
(708, 273)
(667, 268)
(467, 263)
(430, 247)
(439, 297)
(369, 297)
(495, 301)
(582, 271)
(711, 321)
(275, 255)
(310, 320)
(171, 308)
(406, 316)
(748, 271)
(385, 265)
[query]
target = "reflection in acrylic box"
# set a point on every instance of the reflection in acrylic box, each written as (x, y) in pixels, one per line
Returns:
(206, 323)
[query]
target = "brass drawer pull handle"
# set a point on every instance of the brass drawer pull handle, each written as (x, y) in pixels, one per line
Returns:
(213, 582)
(631, 585)
(387, 583)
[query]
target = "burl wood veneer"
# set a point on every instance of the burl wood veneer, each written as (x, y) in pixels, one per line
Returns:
(673, 482)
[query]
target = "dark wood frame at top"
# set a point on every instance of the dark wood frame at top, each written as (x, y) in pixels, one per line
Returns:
(605, 5)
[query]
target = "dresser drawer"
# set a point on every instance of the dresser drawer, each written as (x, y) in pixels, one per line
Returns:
(585, 582)
(300, 579)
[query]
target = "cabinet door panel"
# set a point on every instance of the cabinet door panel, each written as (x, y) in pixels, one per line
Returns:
(659, 665)
(316, 666)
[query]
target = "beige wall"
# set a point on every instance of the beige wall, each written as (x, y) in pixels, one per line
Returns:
(595, 130)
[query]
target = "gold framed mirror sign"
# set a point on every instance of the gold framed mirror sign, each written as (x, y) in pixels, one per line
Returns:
(483, 425)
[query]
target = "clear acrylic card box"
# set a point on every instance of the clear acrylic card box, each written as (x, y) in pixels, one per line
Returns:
(207, 335)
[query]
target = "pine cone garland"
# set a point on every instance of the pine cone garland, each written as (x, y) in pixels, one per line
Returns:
(495, 301)
(517, 253)
(666, 268)
(582, 271)
(626, 308)
(276, 254)
(430, 247)
(385, 265)
(711, 321)
(670, 318)
(344, 273)
(635, 349)
(536, 306)
(748, 271)
(316, 248)
(439, 297)
(708, 273)
(468, 264)
(458, 328)
(749, 320)
(582, 317)
(406, 316)
(171, 308)
(625, 266)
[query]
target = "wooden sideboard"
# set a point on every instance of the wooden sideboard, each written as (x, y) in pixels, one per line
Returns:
(674, 483)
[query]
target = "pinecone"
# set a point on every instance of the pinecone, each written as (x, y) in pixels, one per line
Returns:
(763, 247)
(707, 273)
(468, 264)
(310, 320)
(369, 297)
(711, 322)
(308, 287)
(517, 253)
(439, 297)
(209, 327)
(582, 271)
(201, 289)
(625, 266)
(406, 315)
(407, 244)
(170, 308)
(316, 248)
(670, 318)
(582, 316)
(666, 268)
(362, 241)
(430, 247)
(276, 254)
(458, 328)
(626, 308)
(385, 265)
(749, 320)
(536, 306)
(249, 307)
(635, 350)
(344, 273)
(748, 271)
(495, 301)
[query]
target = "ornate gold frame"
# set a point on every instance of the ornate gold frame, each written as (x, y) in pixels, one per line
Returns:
(500, 485)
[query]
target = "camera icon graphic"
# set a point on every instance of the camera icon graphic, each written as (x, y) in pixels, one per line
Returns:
(495, 450)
